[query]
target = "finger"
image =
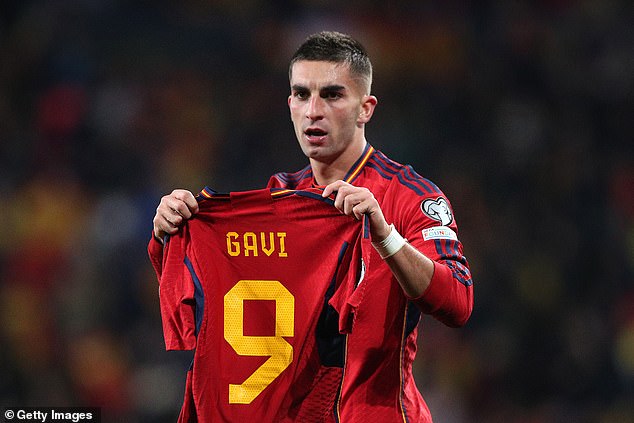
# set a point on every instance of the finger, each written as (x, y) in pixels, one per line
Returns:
(340, 198)
(333, 187)
(168, 209)
(173, 207)
(354, 201)
(163, 226)
(168, 227)
(174, 218)
(349, 201)
(360, 210)
(188, 199)
(184, 205)
(166, 220)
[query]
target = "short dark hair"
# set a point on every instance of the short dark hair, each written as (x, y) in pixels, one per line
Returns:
(330, 46)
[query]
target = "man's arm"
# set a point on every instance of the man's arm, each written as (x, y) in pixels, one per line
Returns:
(412, 269)
(434, 286)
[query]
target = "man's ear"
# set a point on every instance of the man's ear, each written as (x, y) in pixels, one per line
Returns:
(367, 109)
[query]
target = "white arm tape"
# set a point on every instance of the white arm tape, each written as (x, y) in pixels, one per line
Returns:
(391, 245)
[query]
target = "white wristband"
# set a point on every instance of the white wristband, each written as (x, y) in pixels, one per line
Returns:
(391, 245)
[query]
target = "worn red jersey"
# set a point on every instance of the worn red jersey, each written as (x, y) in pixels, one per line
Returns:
(257, 283)
(377, 384)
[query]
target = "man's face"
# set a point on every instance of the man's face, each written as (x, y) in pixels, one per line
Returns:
(327, 108)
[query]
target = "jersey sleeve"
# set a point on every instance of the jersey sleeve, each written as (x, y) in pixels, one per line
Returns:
(349, 291)
(176, 294)
(424, 216)
(155, 252)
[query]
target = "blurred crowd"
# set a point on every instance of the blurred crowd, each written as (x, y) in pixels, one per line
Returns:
(522, 112)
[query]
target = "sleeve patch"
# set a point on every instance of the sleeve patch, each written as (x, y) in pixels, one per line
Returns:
(437, 210)
(439, 232)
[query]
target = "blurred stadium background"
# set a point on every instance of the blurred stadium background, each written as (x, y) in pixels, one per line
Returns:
(521, 111)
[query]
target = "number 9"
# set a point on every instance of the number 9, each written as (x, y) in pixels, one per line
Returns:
(279, 351)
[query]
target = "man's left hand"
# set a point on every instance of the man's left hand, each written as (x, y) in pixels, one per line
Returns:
(358, 202)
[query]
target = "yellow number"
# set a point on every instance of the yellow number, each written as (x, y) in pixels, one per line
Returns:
(279, 351)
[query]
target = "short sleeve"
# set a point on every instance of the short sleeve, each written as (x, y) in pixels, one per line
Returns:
(349, 289)
(176, 294)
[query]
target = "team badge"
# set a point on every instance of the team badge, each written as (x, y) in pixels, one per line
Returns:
(438, 210)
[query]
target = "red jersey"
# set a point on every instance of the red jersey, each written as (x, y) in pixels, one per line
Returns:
(256, 283)
(378, 385)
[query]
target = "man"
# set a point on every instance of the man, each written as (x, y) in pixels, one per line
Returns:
(421, 271)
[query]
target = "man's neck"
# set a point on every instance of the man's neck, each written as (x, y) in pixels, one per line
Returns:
(328, 172)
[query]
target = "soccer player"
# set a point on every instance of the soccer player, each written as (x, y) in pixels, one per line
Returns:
(416, 263)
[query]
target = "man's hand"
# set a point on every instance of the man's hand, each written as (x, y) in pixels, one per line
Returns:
(357, 202)
(172, 211)
(412, 269)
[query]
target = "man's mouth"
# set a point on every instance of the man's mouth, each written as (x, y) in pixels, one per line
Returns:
(315, 134)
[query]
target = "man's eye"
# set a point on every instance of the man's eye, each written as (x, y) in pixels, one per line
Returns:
(302, 95)
(333, 95)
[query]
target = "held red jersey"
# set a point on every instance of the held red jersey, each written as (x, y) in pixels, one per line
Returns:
(257, 284)
(378, 385)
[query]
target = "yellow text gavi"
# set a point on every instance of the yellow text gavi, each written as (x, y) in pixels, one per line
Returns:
(252, 244)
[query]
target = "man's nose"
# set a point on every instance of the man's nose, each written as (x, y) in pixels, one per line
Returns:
(315, 108)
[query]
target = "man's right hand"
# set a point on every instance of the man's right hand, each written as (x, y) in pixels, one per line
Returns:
(172, 211)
